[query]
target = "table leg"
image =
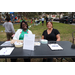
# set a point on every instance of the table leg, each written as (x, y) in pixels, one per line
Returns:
(61, 59)
(5, 59)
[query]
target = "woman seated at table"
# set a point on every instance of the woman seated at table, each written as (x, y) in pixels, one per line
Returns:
(19, 35)
(50, 34)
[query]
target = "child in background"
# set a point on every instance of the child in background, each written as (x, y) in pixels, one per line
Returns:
(9, 29)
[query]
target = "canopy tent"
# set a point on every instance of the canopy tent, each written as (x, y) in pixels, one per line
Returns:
(11, 12)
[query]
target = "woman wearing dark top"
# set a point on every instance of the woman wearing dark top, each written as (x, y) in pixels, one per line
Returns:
(50, 34)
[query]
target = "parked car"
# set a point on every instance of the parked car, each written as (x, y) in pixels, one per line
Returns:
(56, 19)
(66, 19)
(74, 20)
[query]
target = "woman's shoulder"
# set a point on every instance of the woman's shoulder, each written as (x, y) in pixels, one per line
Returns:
(29, 31)
(55, 29)
(45, 30)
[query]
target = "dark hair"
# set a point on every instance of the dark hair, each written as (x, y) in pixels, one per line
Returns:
(8, 19)
(25, 23)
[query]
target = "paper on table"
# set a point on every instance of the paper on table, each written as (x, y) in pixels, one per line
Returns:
(6, 51)
(6, 43)
(55, 46)
(28, 42)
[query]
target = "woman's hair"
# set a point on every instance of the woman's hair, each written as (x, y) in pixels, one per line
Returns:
(25, 23)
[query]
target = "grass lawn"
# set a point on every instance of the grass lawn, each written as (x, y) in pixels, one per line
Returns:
(64, 29)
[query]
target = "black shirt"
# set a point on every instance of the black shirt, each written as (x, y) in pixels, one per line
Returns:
(51, 36)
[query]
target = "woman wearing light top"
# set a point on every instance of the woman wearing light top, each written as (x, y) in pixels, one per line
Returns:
(19, 35)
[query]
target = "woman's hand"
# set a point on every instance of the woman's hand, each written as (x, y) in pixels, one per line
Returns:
(13, 35)
(42, 37)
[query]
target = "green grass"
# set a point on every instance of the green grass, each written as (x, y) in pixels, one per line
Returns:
(64, 29)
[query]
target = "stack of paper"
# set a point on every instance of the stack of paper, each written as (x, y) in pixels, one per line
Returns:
(6, 51)
(55, 46)
(7, 43)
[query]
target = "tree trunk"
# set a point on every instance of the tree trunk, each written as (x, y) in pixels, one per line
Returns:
(0, 17)
(72, 14)
(59, 15)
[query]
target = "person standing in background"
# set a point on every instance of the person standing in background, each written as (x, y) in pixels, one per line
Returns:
(42, 21)
(9, 29)
(46, 19)
(31, 20)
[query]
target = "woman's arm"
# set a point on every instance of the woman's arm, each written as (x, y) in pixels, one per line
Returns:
(17, 34)
(29, 31)
(58, 37)
(42, 37)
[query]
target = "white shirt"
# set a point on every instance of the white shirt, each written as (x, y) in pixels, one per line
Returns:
(42, 19)
(18, 32)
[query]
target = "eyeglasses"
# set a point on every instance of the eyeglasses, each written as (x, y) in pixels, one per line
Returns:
(23, 24)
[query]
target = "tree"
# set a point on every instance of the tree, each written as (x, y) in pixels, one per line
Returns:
(39, 13)
(65, 14)
(0, 17)
(20, 15)
(50, 13)
(28, 14)
(72, 14)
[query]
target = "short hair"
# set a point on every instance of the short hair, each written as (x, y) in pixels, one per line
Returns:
(7, 19)
(21, 24)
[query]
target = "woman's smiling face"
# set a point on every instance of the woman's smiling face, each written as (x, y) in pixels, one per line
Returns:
(24, 26)
(49, 25)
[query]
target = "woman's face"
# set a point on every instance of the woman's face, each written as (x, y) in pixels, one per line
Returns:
(49, 25)
(24, 26)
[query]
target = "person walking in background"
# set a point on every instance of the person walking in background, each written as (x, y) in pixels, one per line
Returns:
(46, 19)
(31, 21)
(9, 29)
(42, 21)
